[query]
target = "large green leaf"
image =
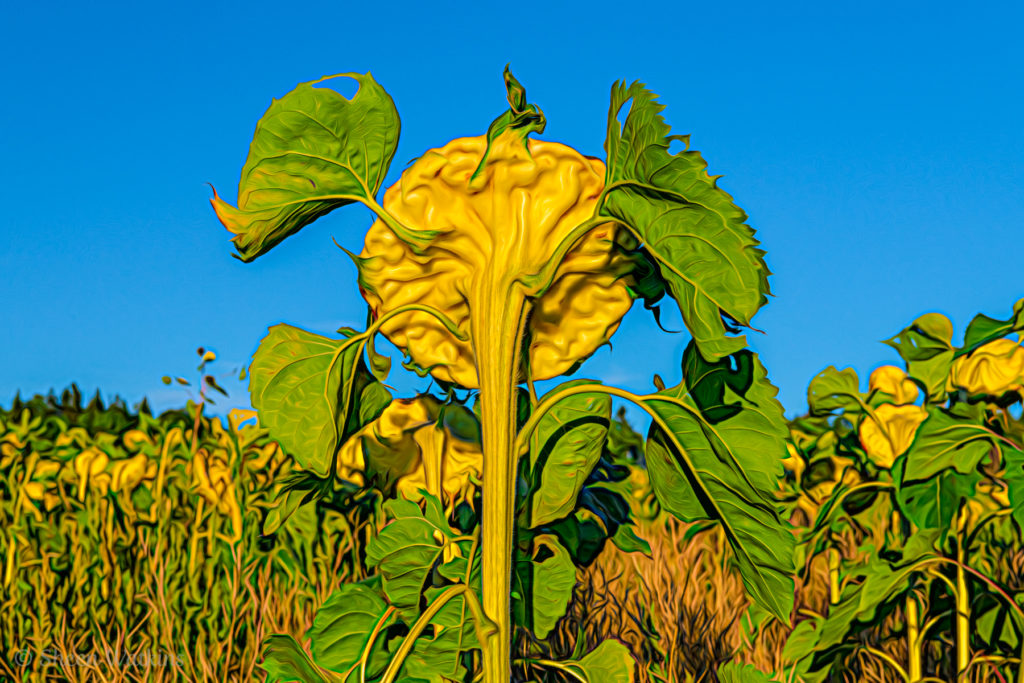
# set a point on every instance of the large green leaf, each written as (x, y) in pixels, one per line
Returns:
(706, 253)
(984, 329)
(715, 452)
(406, 550)
(285, 661)
(344, 626)
(927, 348)
(945, 441)
(313, 151)
(564, 447)
(313, 392)
(834, 389)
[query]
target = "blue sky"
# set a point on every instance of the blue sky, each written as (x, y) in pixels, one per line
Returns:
(876, 146)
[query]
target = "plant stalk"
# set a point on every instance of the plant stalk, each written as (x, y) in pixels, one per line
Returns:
(833, 576)
(963, 606)
(497, 340)
(913, 640)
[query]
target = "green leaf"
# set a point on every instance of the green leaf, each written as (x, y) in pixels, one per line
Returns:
(285, 661)
(926, 347)
(1013, 461)
(609, 662)
(626, 540)
(719, 456)
(344, 626)
(284, 507)
(564, 447)
(554, 578)
(437, 654)
(834, 389)
(313, 151)
(313, 392)
(706, 253)
(984, 329)
(733, 672)
(932, 504)
(406, 550)
(545, 583)
(945, 441)
(857, 607)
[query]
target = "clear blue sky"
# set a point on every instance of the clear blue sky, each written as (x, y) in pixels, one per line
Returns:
(876, 146)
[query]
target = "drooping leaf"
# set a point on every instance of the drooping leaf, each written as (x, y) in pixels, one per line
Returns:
(926, 347)
(313, 151)
(285, 661)
(313, 392)
(343, 628)
(715, 452)
(564, 447)
(706, 253)
(984, 329)
(946, 441)
(406, 550)
(834, 389)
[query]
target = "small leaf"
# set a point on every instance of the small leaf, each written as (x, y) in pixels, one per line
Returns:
(626, 540)
(834, 389)
(165, 379)
(564, 447)
(926, 347)
(984, 329)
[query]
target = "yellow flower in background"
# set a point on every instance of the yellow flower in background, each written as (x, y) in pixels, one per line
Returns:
(211, 479)
(886, 442)
(993, 369)
(502, 224)
(90, 466)
(892, 380)
(126, 475)
(417, 444)
(794, 462)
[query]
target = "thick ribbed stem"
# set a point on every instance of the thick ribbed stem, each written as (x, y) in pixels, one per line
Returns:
(497, 336)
